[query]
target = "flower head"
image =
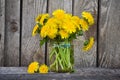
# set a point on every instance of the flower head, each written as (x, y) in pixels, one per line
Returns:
(76, 21)
(33, 67)
(44, 31)
(88, 17)
(38, 18)
(88, 44)
(44, 16)
(43, 69)
(69, 27)
(83, 25)
(41, 18)
(63, 34)
(59, 14)
(52, 33)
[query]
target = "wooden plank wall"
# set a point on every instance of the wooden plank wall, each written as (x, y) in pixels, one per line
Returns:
(17, 19)
(2, 29)
(12, 32)
(85, 59)
(30, 45)
(109, 34)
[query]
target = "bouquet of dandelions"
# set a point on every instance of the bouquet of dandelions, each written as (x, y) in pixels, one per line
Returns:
(60, 30)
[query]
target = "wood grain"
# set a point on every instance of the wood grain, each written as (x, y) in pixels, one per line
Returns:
(31, 50)
(109, 34)
(85, 59)
(14, 73)
(12, 32)
(2, 29)
(60, 4)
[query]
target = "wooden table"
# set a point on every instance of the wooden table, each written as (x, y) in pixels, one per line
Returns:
(19, 73)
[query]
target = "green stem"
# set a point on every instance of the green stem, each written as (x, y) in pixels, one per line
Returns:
(62, 57)
(52, 52)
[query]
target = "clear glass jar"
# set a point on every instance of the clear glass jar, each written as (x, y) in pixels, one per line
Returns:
(61, 57)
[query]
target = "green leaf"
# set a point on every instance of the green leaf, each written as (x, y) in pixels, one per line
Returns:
(73, 36)
(42, 42)
(38, 31)
(80, 33)
(39, 25)
(45, 20)
(86, 42)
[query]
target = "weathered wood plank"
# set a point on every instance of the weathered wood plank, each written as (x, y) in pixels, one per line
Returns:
(14, 73)
(2, 29)
(31, 50)
(85, 59)
(60, 4)
(12, 32)
(109, 32)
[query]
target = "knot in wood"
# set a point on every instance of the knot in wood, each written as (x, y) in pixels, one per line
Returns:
(14, 27)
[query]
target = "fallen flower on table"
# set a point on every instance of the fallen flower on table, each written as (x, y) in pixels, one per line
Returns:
(43, 69)
(33, 67)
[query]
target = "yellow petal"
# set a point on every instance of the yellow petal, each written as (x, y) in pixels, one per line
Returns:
(34, 32)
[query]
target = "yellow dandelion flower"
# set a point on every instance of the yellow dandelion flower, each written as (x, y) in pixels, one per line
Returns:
(88, 16)
(52, 23)
(52, 33)
(69, 27)
(38, 18)
(68, 16)
(33, 67)
(43, 17)
(43, 69)
(44, 31)
(84, 25)
(89, 45)
(76, 18)
(51, 20)
(59, 14)
(34, 32)
(59, 23)
(63, 34)
(76, 21)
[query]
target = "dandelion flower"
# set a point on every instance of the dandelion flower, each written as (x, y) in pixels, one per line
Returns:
(52, 33)
(40, 18)
(34, 32)
(89, 44)
(63, 34)
(43, 17)
(59, 14)
(43, 69)
(76, 20)
(84, 25)
(33, 67)
(69, 27)
(88, 16)
(68, 16)
(44, 31)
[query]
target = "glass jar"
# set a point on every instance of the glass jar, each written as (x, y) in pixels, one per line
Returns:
(61, 57)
